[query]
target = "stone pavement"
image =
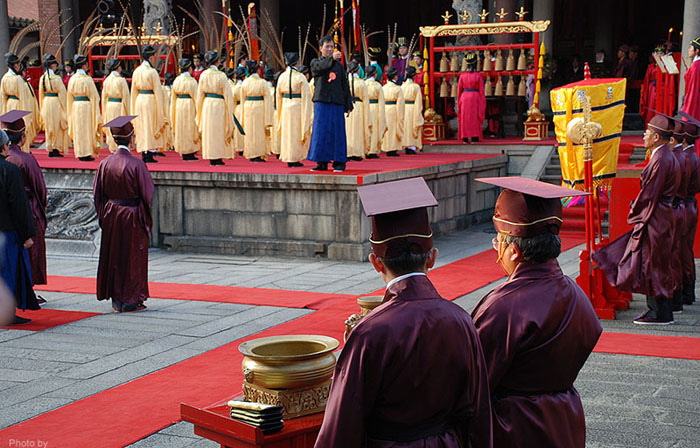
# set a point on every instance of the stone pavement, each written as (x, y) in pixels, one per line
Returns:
(630, 401)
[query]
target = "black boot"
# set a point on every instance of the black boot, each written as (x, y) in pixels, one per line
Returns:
(355, 158)
(688, 293)
(192, 156)
(294, 164)
(20, 320)
(677, 301)
(660, 312)
(214, 162)
(157, 154)
(411, 151)
(86, 159)
(55, 153)
(257, 159)
(147, 157)
(393, 153)
(320, 166)
(372, 156)
(338, 167)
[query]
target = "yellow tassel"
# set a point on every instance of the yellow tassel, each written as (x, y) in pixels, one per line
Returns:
(510, 62)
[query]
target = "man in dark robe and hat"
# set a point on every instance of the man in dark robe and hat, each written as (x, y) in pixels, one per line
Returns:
(16, 232)
(638, 261)
(123, 191)
(538, 328)
(677, 145)
(412, 372)
(690, 132)
(331, 99)
(34, 186)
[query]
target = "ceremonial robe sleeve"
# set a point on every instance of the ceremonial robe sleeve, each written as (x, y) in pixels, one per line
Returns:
(418, 112)
(38, 183)
(278, 103)
(364, 97)
(95, 99)
(146, 189)
(44, 78)
(19, 204)
(382, 115)
(269, 105)
(198, 102)
(172, 113)
(61, 88)
(345, 85)
(353, 392)
(242, 96)
(321, 66)
(104, 95)
(160, 121)
(125, 94)
(400, 107)
(651, 187)
(69, 105)
(230, 108)
(98, 192)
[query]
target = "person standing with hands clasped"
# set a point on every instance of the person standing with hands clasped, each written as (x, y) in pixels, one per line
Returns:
(331, 99)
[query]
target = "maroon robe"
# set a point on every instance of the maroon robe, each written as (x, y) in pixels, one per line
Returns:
(537, 330)
(412, 370)
(123, 193)
(638, 261)
(691, 216)
(35, 187)
(679, 213)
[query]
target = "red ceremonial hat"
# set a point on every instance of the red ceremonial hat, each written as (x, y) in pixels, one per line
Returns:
(528, 207)
(399, 216)
(121, 126)
(13, 121)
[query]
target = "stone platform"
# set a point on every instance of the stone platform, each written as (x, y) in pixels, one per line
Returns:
(274, 211)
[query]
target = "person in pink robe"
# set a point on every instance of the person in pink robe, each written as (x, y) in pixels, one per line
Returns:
(123, 191)
(34, 186)
(639, 261)
(691, 100)
(472, 102)
(538, 328)
(412, 373)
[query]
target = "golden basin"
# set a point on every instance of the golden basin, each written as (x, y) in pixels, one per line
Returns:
(368, 303)
(288, 362)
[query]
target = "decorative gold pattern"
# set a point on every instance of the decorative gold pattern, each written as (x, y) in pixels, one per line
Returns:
(296, 402)
(501, 15)
(446, 17)
(484, 14)
(581, 130)
(469, 29)
(521, 13)
(465, 16)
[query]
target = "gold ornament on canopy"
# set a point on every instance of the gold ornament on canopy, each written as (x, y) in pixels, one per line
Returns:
(499, 61)
(521, 14)
(446, 17)
(483, 15)
(465, 16)
(582, 131)
(501, 15)
(510, 61)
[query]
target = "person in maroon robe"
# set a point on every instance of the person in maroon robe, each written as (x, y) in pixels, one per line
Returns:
(34, 186)
(412, 373)
(676, 143)
(690, 132)
(538, 328)
(123, 191)
(638, 261)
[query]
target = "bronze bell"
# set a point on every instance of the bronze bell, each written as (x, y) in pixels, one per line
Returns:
(522, 60)
(444, 63)
(498, 91)
(510, 87)
(487, 61)
(510, 61)
(488, 89)
(444, 89)
(453, 88)
(499, 61)
(522, 87)
(454, 63)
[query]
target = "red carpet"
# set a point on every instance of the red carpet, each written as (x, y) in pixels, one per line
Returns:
(46, 318)
(205, 293)
(173, 162)
(680, 347)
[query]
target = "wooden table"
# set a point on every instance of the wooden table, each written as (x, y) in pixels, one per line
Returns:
(216, 424)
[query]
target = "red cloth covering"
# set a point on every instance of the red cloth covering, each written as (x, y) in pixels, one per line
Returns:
(122, 272)
(35, 187)
(691, 100)
(537, 330)
(638, 261)
(472, 104)
(414, 366)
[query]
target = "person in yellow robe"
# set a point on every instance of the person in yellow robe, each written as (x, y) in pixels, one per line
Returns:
(167, 128)
(293, 114)
(255, 117)
(239, 74)
(83, 107)
(357, 125)
(148, 106)
(394, 109)
(52, 104)
(271, 137)
(413, 113)
(215, 112)
(115, 98)
(183, 112)
(17, 94)
(376, 112)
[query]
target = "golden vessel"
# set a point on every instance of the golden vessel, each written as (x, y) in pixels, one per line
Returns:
(367, 304)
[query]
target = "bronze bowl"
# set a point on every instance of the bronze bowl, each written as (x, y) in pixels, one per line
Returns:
(288, 362)
(368, 303)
